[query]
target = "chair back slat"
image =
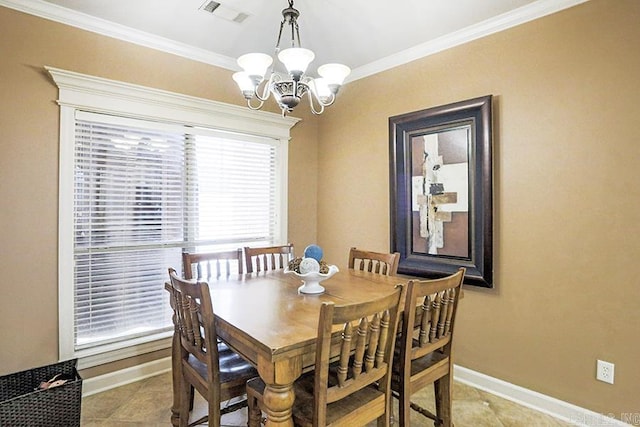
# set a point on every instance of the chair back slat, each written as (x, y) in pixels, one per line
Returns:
(447, 324)
(435, 315)
(425, 318)
(268, 258)
(372, 347)
(374, 262)
(384, 337)
(192, 309)
(345, 354)
(445, 304)
(361, 344)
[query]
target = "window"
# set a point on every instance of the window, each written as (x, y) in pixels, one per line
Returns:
(137, 187)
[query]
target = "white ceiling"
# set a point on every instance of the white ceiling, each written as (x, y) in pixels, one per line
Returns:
(367, 35)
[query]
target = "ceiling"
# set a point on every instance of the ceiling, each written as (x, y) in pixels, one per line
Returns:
(367, 35)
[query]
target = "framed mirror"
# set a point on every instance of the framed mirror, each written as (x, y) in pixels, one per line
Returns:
(441, 190)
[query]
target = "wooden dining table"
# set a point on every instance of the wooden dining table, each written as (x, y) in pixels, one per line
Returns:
(266, 320)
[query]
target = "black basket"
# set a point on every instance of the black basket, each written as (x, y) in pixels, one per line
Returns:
(23, 404)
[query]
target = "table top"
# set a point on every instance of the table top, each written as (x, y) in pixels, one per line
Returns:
(264, 315)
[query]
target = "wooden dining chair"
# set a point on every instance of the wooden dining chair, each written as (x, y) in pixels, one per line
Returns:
(423, 355)
(355, 389)
(376, 262)
(211, 265)
(268, 258)
(215, 371)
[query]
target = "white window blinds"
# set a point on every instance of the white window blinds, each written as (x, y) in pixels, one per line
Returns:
(144, 192)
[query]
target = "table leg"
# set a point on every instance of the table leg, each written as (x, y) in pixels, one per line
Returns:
(278, 394)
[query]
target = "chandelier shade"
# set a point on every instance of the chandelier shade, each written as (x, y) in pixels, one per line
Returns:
(296, 60)
(255, 65)
(321, 88)
(244, 82)
(334, 73)
(258, 80)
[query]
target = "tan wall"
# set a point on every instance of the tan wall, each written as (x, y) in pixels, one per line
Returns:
(29, 165)
(567, 199)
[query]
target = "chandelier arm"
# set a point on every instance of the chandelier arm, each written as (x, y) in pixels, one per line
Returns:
(266, 91)
(259, 106)
(313, 96)
(330, 102)
(332, 98)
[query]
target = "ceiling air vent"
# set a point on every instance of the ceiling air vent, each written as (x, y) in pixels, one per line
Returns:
(224, 12)
(210, 6)
(241, 17)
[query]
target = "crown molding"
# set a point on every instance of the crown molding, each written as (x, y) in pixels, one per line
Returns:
(83, 21)
(496, 24)
(103, 27)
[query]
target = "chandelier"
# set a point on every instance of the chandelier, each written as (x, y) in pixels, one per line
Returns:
(289, 89)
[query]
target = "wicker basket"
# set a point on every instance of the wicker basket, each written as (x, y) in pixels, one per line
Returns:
(23, 404)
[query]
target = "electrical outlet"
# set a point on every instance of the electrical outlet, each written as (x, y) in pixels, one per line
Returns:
(604, 371)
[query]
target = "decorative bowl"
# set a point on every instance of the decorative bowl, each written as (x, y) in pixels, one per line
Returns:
(311, 281)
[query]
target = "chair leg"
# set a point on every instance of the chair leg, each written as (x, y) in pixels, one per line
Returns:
(404, 406)
(191, 398)
(393, 420)
(214, 412)
(185, 391)
(384, 421)
(254, 412)
(443, 393)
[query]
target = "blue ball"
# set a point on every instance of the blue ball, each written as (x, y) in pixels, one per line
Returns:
(313, 251)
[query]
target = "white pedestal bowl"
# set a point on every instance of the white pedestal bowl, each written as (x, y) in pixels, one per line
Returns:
(311, 281)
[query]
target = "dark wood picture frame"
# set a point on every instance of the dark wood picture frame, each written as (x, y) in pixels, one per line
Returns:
(441, 190)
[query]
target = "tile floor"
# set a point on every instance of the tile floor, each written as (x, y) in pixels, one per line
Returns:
(148, 403)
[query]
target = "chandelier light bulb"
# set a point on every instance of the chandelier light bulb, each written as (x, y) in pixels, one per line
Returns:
(296, 60)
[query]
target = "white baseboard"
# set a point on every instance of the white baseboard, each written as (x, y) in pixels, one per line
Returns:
(125, 376)
(556, 408)
(520, 395)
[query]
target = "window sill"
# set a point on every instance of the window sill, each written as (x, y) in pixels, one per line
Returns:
(101, 355)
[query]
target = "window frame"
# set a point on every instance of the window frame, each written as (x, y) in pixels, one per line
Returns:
(94, 94)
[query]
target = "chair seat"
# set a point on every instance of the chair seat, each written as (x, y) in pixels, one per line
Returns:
(420, 363)
(427, 362)
(233, 368)
(418, 366)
